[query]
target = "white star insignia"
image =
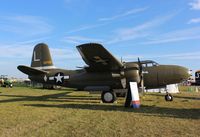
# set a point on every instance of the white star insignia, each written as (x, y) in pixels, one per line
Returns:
(58, 78)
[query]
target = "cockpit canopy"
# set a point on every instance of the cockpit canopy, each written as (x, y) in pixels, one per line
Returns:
(149, 63)
(145, 63)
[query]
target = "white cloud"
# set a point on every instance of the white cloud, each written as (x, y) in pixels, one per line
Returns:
(80, 39)
(195, 5)
(143, 30)
(184, 57)
(174, 36)
(180, 56)
(132, 57)
(66, 57)
(64, 53)
(194, 20)
(14, 54)
(87, 27)
(121, 15)
(25, 25)
(19, 50)
(174, 56)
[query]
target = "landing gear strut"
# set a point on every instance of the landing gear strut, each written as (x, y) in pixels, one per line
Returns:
(108, 96)
(168, 97)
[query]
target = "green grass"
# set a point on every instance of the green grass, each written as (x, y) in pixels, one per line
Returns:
(189, 88)
(28, 112)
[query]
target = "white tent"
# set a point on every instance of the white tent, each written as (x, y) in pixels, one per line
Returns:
(172, 88)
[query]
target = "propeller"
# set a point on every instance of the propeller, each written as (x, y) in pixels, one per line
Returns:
(129, 73)
(141, 83)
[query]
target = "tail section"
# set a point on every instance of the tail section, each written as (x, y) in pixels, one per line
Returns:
(41, 58)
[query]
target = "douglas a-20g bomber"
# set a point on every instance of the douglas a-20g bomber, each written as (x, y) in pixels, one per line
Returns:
(103, 72)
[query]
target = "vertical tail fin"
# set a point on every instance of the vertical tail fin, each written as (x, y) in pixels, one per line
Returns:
(41, 58)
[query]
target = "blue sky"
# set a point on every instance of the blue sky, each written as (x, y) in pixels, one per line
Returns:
(165, 31)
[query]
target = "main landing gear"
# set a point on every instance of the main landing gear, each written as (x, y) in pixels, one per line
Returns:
(108, 97)
(111, 97)
(168, 97)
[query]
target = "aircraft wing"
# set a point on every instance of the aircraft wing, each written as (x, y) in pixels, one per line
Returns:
(98, 58)
(31, 71)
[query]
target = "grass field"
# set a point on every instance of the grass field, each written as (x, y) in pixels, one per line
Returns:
(27, 112)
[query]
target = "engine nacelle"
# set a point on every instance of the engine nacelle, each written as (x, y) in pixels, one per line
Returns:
(131, 72)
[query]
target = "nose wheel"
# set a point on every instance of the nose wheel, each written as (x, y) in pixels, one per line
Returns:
(168, 97)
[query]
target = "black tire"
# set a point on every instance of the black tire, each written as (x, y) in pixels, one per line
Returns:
(108, 96)
(168, 97)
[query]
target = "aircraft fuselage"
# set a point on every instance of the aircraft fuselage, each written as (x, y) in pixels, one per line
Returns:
(154, 77)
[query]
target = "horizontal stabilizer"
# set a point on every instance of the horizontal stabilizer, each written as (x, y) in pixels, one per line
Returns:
(30, 71)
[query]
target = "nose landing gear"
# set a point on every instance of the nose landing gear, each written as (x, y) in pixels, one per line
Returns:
(168, 97)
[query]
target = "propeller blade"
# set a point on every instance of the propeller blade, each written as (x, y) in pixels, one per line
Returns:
(140, 65)
(138, 60)
(141, 83)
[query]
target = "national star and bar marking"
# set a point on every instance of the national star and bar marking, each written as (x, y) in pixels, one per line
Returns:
(58, 78)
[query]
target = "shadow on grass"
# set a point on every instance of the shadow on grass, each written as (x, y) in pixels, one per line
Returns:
(191, 98)
(88, 103)
(59, 97)
(145, 110)
(32, 98)
(175, 96)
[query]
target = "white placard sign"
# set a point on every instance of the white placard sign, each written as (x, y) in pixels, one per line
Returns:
(135, 95)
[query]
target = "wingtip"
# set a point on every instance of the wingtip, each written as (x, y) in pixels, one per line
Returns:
(89, 44)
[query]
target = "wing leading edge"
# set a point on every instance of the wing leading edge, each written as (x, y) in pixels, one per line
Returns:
(98, 58)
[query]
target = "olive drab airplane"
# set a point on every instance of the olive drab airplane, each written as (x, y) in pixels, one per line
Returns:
(103, 72)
